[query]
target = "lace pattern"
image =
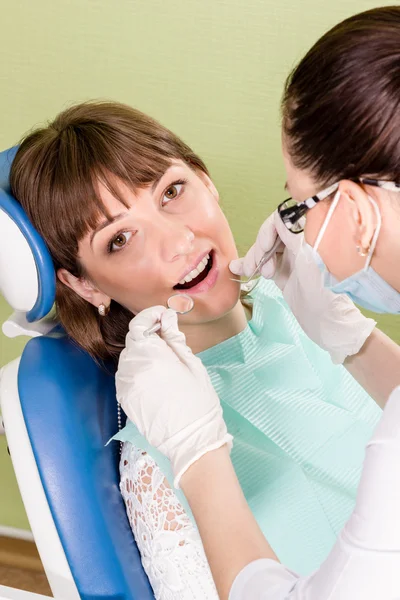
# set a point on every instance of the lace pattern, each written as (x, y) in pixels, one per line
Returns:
(170, 546)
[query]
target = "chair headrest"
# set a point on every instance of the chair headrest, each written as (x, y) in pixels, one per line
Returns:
(27, 277)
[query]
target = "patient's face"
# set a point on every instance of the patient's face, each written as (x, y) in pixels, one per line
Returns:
(172, 238)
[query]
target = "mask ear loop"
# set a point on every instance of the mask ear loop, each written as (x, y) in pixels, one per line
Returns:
(327, 220)
(376, 233)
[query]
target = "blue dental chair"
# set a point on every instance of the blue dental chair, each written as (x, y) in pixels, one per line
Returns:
(59, 410)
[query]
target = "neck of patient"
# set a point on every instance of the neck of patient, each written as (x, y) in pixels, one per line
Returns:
(205, 335)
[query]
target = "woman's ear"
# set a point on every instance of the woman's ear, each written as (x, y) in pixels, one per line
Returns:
(360, 213)
(83, 288)
(209, 184)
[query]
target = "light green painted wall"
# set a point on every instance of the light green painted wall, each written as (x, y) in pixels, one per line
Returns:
(210, 70)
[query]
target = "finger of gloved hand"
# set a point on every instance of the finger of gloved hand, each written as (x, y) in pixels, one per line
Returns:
(269, 269)
(176, 340)
(144, 321)
(265, 240)
(172, 335)
(244, 266)
(142, 351)
(251, 261)
(236, 266)
(169, 327)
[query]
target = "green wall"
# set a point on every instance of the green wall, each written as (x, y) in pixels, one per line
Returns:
(210, 70)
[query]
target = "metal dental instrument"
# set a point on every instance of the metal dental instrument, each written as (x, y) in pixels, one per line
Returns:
(180, 303)
(267, 256)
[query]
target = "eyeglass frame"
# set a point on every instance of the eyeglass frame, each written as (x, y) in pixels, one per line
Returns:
(291, 218)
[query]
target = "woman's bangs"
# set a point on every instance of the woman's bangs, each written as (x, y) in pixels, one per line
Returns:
(136, 169)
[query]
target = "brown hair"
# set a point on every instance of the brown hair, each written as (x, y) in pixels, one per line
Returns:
(341, 106)
(55, 177)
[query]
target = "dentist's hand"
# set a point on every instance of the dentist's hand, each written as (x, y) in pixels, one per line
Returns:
(166, 392)
(330, 320)
(281, 264)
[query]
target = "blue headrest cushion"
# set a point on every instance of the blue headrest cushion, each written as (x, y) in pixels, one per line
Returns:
(43, 262)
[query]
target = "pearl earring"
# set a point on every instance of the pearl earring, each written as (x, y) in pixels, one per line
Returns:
(363, 251)
(103, 309)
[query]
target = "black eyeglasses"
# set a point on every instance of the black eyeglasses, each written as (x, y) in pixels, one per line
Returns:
(293, 213)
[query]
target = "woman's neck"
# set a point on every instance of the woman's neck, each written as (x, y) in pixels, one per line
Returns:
(204, 336)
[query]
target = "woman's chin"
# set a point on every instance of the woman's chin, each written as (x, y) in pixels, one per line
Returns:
(213, 305)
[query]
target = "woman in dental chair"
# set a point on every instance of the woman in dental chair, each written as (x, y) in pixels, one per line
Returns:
(131, 216)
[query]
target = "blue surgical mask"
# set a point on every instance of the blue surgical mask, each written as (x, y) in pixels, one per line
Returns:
(366, 287)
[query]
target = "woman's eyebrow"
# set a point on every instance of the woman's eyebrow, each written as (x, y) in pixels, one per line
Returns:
(106, 223)
(157, 181)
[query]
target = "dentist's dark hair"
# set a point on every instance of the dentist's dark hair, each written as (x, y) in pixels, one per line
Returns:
(341, 105)
(55, 176)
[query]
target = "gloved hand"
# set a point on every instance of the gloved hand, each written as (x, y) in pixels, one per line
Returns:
(331, 320)
(166, 392)
(280, 265)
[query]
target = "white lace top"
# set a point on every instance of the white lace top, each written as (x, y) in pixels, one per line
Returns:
(170, 546)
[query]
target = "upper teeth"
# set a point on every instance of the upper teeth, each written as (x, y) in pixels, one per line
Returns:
(199, 269)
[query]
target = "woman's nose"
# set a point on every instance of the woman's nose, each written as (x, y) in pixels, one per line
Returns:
(177, 241)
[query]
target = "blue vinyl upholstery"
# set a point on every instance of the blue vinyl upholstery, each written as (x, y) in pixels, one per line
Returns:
(70, 411)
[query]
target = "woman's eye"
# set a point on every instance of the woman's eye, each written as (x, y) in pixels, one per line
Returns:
(172, 192)
(120, 241)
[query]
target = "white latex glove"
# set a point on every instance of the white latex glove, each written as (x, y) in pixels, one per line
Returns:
(331, 320)
(166, 392)
(281, 264)
(365, 561)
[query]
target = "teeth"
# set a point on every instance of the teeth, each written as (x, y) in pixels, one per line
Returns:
(199, 269)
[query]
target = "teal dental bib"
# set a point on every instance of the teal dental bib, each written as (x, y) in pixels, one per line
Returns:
(300, 426)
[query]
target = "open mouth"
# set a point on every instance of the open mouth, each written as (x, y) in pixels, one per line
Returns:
(195, 279)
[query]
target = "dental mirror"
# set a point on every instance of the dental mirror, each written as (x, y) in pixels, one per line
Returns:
(180, 303)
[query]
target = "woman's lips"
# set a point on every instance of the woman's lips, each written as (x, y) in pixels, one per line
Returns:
(208, 282)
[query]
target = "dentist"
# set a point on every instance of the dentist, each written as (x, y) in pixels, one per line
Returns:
(341, 145)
